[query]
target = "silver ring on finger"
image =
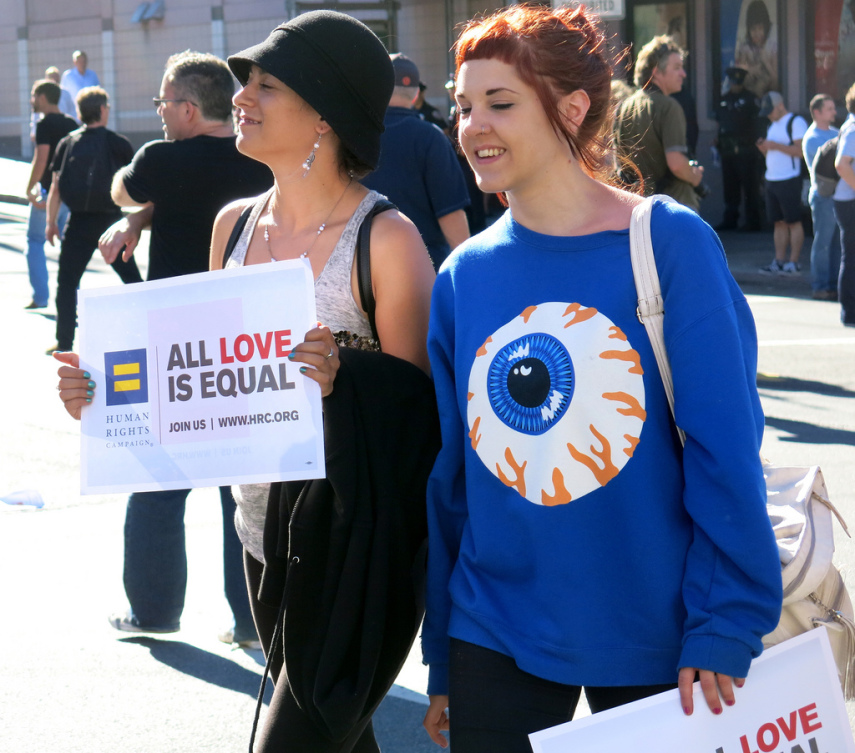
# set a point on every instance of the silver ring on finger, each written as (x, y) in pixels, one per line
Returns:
(330, 354)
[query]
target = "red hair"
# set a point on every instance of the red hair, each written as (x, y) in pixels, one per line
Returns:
(555, 52)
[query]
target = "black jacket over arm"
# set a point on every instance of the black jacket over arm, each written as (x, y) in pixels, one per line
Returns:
(347, 552)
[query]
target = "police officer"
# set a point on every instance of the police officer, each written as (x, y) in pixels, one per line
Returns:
(739, 128)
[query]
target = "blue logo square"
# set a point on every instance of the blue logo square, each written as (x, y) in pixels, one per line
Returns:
(127, 377)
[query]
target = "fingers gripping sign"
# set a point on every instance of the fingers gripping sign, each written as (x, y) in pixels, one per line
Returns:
(716, 688)
(319, 354)
(75, 386)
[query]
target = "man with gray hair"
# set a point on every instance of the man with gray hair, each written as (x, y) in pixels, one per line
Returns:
(66, 101)
(79, 76)
(650, 128)
(418, 169)
(180, 184)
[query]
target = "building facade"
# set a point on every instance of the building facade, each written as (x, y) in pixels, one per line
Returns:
(798, 47)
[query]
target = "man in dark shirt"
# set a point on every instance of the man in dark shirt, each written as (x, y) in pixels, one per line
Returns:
(52, 127)
(91, 154)
(181, 184)
(418, 169)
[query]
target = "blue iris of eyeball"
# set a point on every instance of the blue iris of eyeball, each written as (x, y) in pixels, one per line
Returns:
(556, 402)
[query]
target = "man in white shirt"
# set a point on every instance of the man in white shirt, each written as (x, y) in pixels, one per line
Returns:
(782, 148)
(78, 77)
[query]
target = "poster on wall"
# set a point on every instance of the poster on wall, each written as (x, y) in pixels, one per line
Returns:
(834, 46)
(659, 18)
(749, 39)
(826, 45)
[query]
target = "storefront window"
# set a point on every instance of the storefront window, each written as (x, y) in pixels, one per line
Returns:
(749, 39)
(650, 20)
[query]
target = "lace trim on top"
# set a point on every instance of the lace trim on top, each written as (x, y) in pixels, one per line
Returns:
(336, 306)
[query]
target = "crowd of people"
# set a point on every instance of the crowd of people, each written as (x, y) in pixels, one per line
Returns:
(766, 155)
(515, 346)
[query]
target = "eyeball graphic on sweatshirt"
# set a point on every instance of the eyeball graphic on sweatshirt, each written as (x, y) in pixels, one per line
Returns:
(556, 402)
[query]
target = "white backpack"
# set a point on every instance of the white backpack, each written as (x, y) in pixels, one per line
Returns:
(797, 500)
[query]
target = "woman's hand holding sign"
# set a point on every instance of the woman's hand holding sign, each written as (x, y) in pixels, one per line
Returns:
(713, 684)
(319, 352)
(75, 385)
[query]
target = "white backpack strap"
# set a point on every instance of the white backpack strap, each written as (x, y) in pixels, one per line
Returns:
(651, 310)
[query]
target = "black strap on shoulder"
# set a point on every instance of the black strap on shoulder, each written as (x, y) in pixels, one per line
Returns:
(363, 262)
(236, 231)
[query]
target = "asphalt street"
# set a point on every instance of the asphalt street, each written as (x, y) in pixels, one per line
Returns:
(69, 683)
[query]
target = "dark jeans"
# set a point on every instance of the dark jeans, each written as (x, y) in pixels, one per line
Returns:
(844, 211)
(155, 572)
(741, 177)
(79, 243)
(494, 706)
(286, 728)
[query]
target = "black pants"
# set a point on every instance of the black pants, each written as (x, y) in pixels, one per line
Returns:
(80, 241)
(740, 177)
(844, 211)
(286, 728)
(494, 706)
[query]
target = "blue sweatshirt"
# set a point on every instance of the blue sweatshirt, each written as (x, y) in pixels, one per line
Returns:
(568, 527)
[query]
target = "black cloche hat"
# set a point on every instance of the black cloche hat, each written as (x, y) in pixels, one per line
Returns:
(337, 65)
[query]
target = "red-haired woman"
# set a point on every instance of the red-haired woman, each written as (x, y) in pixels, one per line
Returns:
(573, 541)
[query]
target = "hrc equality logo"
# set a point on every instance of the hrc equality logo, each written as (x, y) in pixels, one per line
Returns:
(127, 377)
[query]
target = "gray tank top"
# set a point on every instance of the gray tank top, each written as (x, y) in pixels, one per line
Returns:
(339, 311)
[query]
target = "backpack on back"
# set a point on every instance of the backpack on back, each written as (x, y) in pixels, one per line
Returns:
(824, 172)
(804, 167)
(87, 172)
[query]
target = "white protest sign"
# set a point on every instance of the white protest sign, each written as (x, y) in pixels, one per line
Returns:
(194, 385)
(791, 703)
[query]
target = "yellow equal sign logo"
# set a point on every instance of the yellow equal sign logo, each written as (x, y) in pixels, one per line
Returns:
(126, 372)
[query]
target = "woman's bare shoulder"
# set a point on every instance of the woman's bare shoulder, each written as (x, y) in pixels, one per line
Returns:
(234, 209)
(392, 229)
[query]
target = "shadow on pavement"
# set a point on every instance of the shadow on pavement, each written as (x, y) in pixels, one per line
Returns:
(9, 217)
(397, 722)
(398, 726)
(801, 431)
(792, 384)
(203, 665)
(10, 247)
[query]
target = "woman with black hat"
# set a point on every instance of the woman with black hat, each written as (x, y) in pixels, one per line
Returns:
(311, 108)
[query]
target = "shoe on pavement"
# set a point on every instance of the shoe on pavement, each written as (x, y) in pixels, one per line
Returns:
(824, 295)
(34, 305)
(773, 267)
(251, 642)
(128, 623)
(791, 268)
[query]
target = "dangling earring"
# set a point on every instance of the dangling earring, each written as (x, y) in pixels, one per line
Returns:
(307, 165)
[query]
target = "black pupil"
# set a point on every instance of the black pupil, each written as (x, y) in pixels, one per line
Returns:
(529, 382)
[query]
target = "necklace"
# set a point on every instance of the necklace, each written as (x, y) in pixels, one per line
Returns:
(317, 235)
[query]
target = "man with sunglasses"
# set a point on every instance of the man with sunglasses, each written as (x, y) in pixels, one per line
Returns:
(180, 184)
